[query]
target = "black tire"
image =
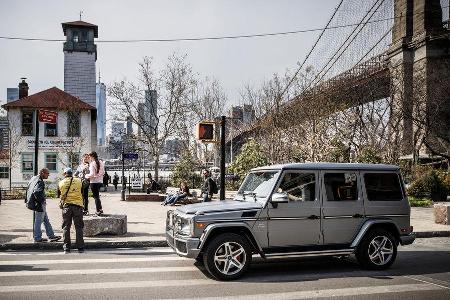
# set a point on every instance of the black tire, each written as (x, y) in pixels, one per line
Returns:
(225, 266)
(199, 259)
(373, 258)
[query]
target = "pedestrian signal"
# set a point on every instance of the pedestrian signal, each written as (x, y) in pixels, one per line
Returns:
(205, 131)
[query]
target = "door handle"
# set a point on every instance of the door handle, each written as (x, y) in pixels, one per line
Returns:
(313, 217)
(357, 216)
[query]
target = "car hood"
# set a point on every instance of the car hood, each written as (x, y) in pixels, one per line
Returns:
(218, 206)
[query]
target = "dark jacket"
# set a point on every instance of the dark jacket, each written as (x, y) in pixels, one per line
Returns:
(207, 186)
(36, 192)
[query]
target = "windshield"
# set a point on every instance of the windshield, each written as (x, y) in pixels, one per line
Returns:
(257, 184)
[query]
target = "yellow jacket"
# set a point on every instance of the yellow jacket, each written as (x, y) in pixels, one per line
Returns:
(74, 195)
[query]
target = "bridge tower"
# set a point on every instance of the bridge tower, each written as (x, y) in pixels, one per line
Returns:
(420, 73)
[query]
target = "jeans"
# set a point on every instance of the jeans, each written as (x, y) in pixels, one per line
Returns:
(172, 199)
(75, 213)
(206, 197)
(39, 218)
(85, 194)
(95, 187)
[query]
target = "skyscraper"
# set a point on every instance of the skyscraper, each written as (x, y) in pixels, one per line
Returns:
(150, 111)
(12, 94)
(101, 113)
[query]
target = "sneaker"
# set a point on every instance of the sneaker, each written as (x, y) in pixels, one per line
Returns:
(41, 240)
(55, 238)
(99, 213)
(85, 212)
(66, 251)
(80, 250)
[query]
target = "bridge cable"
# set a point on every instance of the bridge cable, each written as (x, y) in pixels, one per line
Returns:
(348, 45)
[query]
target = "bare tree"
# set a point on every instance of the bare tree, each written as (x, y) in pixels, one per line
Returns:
(173, 84)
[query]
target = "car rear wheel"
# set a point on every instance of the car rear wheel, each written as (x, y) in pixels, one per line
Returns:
(227, 256)
(377, 250)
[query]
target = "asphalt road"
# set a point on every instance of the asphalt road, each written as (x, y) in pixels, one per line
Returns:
(422, 271)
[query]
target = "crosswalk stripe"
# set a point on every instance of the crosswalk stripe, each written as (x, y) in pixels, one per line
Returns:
(106, 285)
(93, 251)
(343, 292)
(90, 260)
(99, 271)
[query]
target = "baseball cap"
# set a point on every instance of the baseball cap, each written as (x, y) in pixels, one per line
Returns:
(68, 171)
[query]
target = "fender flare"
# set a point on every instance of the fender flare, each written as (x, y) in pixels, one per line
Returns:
(212, 227)
(366, 226)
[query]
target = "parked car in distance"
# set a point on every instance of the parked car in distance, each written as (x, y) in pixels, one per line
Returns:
(313, 209)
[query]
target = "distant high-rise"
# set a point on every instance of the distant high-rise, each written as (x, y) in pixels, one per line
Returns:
(242, 114)
(101, 113)
(129, 126)
(150, 111)
(117, 131)
(12, 94)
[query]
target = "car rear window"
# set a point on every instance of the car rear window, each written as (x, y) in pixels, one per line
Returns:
(383, 187)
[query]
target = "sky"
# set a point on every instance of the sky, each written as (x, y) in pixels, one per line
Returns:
(235, 63)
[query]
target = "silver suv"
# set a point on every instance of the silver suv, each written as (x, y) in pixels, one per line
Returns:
(316, 209)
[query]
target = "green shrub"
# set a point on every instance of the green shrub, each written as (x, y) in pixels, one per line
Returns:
(50, 193)
(432, 184)
(420, 202)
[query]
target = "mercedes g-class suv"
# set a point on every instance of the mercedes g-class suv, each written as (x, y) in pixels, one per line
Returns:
(313, 209)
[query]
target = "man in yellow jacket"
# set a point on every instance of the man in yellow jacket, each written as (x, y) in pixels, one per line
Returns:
(70, 191)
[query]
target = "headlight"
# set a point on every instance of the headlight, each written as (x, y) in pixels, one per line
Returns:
(185, 227)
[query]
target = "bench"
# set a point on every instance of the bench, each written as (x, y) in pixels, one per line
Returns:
(145, 197)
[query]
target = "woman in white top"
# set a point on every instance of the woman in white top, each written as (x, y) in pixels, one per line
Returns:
(81, 172)
(95, 176)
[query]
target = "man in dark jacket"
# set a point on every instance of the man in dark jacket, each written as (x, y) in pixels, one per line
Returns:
(36, 194)
(207, 189)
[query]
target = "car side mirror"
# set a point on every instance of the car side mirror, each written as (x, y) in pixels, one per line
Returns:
(280, 198)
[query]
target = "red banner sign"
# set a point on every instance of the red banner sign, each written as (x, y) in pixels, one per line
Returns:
(48, 116)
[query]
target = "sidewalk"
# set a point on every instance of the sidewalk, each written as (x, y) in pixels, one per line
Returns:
(146, 224)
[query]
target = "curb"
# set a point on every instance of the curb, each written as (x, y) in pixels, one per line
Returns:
(431, 234)
(87, 245)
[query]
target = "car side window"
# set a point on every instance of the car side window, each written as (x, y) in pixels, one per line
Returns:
(341, 186)
(383, 187)
(298, 186)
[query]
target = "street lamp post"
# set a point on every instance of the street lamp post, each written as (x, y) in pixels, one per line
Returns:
(122, 192)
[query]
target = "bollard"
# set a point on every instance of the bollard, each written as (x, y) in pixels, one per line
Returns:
(122, 195)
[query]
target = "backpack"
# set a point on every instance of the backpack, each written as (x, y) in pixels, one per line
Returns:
(214, 188)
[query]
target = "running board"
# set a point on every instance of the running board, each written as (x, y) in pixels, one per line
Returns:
(311, 253)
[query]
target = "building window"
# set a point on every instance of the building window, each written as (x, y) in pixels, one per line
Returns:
(27, 163)
(74, 160)
(73, 123)
(75, 36)
(4, 172)
(50, 129)
(84, 36)
(50, 161)
(28, 123)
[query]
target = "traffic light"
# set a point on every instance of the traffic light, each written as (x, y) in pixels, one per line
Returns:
(205, 131)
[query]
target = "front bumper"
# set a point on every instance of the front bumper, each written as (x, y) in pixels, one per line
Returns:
(407, 239)
(182, 245)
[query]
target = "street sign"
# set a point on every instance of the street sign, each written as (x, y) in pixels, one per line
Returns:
(132, 156)
(136, 183)
(48, 116)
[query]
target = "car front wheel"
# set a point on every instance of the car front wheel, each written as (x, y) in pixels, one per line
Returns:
(227, 256)
(378, 250)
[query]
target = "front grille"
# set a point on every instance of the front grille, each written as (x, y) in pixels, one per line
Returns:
(181, 246)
